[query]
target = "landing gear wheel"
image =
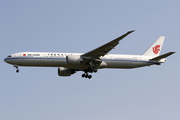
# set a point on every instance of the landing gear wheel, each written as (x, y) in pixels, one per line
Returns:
(17, 70)
(86, 75)
(95, 70)
(90, 76)
(83, 75)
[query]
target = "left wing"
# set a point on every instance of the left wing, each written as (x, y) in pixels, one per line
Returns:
(104, 49)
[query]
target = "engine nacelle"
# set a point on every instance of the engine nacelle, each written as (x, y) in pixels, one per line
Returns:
(65, 71)
(73, 59)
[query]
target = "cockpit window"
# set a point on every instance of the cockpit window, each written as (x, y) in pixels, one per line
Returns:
(9, 56)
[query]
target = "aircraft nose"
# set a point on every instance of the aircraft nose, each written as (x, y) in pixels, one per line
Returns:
(5, 60)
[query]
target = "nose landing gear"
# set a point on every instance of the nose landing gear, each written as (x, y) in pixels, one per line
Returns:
(17, 70)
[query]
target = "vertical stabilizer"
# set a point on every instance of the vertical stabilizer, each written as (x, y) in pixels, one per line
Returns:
(155, 48)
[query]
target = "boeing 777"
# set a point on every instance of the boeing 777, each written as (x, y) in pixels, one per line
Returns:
(69, 63)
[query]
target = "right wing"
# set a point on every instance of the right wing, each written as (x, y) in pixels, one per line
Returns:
(104, 49)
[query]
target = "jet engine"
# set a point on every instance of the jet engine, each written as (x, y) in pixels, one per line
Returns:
(73, 59)
(65, 71)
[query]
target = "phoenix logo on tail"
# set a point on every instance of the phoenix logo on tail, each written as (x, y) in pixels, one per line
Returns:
(156, 49)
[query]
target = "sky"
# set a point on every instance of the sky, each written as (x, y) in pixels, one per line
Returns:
(148, 93)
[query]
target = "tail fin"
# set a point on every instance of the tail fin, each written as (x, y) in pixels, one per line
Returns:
(155, 48)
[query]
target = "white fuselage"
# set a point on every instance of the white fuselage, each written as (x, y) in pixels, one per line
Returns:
(90, 62)
(49, 59)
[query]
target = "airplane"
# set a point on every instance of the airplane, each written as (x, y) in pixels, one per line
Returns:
(90, 62)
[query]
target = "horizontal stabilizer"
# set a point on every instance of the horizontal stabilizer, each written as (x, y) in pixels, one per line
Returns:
(162, 56)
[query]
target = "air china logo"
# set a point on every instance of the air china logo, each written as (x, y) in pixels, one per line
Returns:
(156, 49)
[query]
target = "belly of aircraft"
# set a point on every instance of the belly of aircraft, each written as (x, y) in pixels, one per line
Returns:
(124, 64)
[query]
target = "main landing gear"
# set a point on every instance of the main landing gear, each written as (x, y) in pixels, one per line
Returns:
(91, 70)
(17, 70)
(86, 75)
(93, 66)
